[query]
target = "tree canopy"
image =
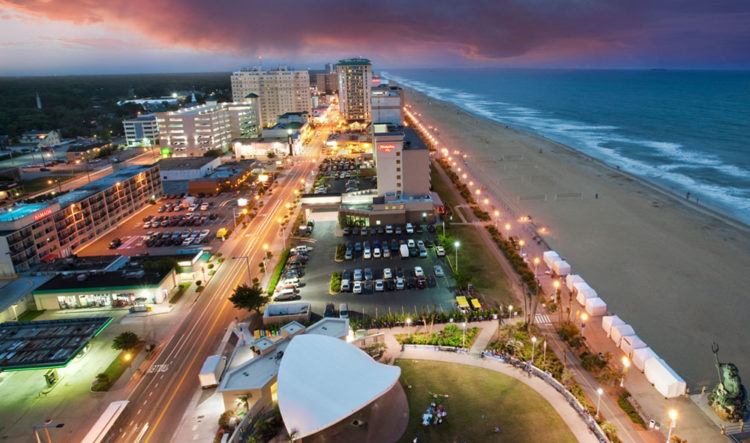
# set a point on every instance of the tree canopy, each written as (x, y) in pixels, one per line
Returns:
(247, 297)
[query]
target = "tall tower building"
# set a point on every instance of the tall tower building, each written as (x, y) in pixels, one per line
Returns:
(355, 83)
(279, 91)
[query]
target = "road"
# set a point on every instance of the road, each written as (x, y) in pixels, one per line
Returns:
(161, 395)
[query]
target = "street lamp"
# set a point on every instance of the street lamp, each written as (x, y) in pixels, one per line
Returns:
(599, 392)
(510, 312)
(672, 424)
(408, 325)
(521, 243)
(536, 263)
(533, 348)
(625, 366)
(507, 228)
(456, 244)
(584, 318)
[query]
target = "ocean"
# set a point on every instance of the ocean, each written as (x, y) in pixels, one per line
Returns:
(685, 131)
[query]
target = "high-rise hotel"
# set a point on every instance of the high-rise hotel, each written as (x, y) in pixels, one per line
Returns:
(355, 83)
(279, 91)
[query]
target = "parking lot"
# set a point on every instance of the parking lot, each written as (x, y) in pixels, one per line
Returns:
(429, 292)
(344, 174)
(168, 226)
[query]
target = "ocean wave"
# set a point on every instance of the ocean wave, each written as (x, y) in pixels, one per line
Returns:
(604, 142)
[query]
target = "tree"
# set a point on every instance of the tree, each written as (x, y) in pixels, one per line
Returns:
(126, 340)
(247, 297)
(213, 153)
(271, 154)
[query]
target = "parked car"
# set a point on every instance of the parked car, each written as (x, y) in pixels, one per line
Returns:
(418, 272)
(330, 310)
(440, 251)
(357, 288)
(399, 283)
(439, 271)
(387, 273)
(358, 274)
(379, 286)
(409, 228)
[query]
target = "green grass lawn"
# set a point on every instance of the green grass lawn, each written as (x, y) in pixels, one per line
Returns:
(477, 400)
(443, 187)
(42, 183)
(478, 261)
(115, 369)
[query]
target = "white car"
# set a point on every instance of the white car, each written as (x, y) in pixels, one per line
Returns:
(410, 243)
(376, 253)
(409, 228)
(418, 272)
(357, 288)
(439, 271)
(420, 244)
(399, 283)
(358, 274)
(379, 286)
(386, 253)
(367, 254)
(440, 251)
(387, 273)
(389, 229)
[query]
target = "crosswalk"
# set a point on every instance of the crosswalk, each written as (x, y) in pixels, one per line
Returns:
(542, 319)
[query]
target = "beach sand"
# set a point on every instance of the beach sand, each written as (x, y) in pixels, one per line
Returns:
(677, 274)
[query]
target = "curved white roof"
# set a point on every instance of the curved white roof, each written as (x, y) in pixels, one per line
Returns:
(322, 380)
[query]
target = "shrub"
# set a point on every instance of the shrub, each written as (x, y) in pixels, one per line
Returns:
(340, 252)
(623, 400)
(594, 362)
(335, 285)
(126, 340)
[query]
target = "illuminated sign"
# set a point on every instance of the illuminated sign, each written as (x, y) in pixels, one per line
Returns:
(386, 148)
(241, 202)
(43, 213)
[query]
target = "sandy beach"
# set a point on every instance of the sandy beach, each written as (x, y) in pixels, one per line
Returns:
(675, 272)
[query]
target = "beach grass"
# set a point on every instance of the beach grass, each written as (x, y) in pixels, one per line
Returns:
(477, 401)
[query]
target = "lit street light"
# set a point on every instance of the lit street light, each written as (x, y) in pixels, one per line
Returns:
(672, 424)
(408, 325)
(625, 366)
(599, 392)
(533, 348)
(456, 244)
(536, 263)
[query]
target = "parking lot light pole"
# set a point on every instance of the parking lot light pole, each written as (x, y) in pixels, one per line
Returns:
(599, 392)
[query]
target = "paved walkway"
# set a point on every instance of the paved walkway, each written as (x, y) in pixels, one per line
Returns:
(558, 402)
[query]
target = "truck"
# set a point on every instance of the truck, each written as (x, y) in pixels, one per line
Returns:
(211, 371)
(404, 251)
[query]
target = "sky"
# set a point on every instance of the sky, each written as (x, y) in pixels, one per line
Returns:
(58, 37)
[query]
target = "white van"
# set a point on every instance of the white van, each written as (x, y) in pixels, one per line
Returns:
(286, 295)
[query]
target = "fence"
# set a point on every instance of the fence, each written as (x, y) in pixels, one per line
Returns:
(455, 349)
(559, 387)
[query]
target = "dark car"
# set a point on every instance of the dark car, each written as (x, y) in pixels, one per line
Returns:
(115, 243)
(330, 310)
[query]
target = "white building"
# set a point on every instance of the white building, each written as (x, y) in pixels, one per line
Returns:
(355, 83)
(40, 139)
(193, 131)
(402, 161)
(387, 104)
(142, 130)
(279, 91)
(177, 172)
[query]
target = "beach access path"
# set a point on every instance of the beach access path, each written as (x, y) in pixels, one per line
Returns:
(676, 274)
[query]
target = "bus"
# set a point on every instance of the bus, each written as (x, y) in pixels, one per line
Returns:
(108, 418)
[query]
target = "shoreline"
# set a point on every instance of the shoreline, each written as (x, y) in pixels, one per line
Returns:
(653, 283)
(665, 190)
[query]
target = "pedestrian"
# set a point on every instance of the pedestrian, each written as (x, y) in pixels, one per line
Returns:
(596, 195)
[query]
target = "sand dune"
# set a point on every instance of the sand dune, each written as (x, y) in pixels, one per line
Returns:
(677, 273)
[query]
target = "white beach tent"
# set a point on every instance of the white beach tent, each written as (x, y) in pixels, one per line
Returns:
(619, 331)
(596, 306)
(570, 279)
(664, 379)
(610, 320)
(640, 356)
(561, 267)
(631, 343)
(584, 291)
(550, 257)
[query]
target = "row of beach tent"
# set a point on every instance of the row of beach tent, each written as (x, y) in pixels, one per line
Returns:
(657, 371)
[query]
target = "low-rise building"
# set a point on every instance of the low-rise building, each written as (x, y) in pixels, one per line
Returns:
(142, 130)
(31, 233)
(177, 172)
(226, 177)
(254, 148)
(85, 150)
(40, 139)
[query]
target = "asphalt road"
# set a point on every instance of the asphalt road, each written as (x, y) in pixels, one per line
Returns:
(160, 396)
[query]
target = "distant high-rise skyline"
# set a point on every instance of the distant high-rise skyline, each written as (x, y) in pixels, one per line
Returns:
(76, 36)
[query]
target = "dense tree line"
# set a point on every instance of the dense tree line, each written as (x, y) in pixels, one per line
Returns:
(87, 105)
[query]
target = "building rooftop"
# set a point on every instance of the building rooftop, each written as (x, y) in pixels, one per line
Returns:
(323, 380)
(354, 61)
(257, 371)
(174, 163)
(388, 90)
(412, 139)
(47, 343)
(101, 184)
(142, 117)
(127, 278)
(11, 291)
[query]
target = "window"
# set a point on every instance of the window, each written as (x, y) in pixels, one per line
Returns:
(398, 169)
(398, 177)
(398, 161)
(398, 153)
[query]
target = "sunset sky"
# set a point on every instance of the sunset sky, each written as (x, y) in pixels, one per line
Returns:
(100, 36)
